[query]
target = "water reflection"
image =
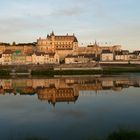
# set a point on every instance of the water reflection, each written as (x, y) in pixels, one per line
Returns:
(97, 107)
(66, 89)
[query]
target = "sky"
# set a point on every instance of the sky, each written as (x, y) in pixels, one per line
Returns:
(106, 21)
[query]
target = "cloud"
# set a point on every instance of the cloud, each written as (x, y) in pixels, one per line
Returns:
(74, 11)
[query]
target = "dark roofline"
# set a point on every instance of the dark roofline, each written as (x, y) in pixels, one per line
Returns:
(106, 51)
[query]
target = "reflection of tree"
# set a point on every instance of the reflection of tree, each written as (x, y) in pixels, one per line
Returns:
(124, 135)
(121, 134)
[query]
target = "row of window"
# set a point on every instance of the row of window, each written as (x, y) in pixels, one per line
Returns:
(63, 46)
(56, 43)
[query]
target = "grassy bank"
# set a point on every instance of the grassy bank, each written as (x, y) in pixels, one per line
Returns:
(4, 72)
(87, 72)
(121, 134)
(110, 70)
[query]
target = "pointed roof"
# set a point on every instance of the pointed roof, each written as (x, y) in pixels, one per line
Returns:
(96, 44)
(52, 34)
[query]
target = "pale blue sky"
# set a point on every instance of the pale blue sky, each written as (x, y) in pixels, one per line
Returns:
(112, 21)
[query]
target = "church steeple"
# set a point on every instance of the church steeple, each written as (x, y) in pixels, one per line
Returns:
(95, 44)
(52, 34)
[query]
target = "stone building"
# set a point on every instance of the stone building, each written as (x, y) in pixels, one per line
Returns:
(24, 48)
(62, 45)
(97, 49)
(81, 58)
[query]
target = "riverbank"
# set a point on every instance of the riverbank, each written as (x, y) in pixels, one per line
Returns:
(52, 71)
(86, 72)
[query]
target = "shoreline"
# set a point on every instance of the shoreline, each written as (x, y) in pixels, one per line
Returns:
(83, 72)
(67, 70)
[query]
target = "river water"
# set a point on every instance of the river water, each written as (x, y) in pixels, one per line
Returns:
(68, 108)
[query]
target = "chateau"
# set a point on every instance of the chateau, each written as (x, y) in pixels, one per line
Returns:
(56, 49)
(62, 45)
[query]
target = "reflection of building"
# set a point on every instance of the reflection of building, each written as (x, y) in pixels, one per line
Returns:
(56, 90)
(53, 95)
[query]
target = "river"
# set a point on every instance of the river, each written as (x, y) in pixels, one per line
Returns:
(68, 108)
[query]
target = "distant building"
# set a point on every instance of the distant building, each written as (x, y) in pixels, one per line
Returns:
(45, 58)
(134, 55)
(38, 58)
(63, 48)
(51, 58)
(7, 57)
(18, 59)
(1, 59)
(122, 55)
(28, 59)
(24, 48)
(62, 45)
(97, 49)
(83, 58)
(107, 55)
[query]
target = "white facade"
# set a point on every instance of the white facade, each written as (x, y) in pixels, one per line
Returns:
(124, 57)
(69, 60)
(37, 59)
(51, 58)
(107, 57)
(6, 59)
(44, 58)
(79, 59)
